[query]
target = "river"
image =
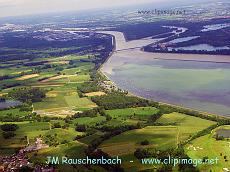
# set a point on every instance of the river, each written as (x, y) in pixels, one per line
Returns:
(200, 82)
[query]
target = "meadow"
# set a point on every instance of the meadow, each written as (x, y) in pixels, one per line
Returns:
(207, 146)
(15, 112)
(89, 121)
(140, 112)
(26, 129)
(73, 149)
(32, 130)
(187, 126)
(174, 129)
(61, 81)
(62, 102)
(126, 143)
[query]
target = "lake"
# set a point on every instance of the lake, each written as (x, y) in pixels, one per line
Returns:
(200, 82)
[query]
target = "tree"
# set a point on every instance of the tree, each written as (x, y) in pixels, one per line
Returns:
(57, 125)
(141, 153)
(9, 127)
(8, 134)
(80, 128)
(145, 142)
(28, 95)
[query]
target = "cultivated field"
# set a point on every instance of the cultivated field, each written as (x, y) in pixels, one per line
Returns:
(143, 112)
(186, 125)
(126, 143)
(25, 77)
(208, 146)
(175, 128)
(92, 94)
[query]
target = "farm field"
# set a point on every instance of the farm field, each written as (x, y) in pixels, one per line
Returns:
(175, 128)
(121, 121)
(72, 149)
(61, 98)
(63, 103)
(208, 146)
(25, 77)
(89, 139)
(13, 112)
(127, 142)
(141, 112)
(32, 130)
(178, 128)
(89, 121)
(92, 94)
(186, 125)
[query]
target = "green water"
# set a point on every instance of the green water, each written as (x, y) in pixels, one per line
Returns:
(198, 85)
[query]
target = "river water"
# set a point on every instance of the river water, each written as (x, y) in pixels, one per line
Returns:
(201, 82)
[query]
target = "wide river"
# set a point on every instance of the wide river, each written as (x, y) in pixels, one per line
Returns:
(200, 82)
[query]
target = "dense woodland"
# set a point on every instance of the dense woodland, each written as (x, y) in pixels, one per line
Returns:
(28, 95)
(26, 45)
(119, 101)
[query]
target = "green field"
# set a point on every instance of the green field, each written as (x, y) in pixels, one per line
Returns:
(79, 78)
(209, 147)
(71, 57)
(63, 134)
(83, 68)
(72, 149)
(13, 112)
(186, 125)
(89, 139)
(63, 99)
(141, 112)
(62, 102)
(33, 130)
(29, 129)
(89, 121)
(160, 137)
(120, 122)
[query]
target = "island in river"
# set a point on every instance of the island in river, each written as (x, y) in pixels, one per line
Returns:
(194, 81)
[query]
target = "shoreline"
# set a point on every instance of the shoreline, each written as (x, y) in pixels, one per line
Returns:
(161, 103)
(164, 103)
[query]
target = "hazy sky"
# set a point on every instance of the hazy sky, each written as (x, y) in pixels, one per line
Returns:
(24, 7)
